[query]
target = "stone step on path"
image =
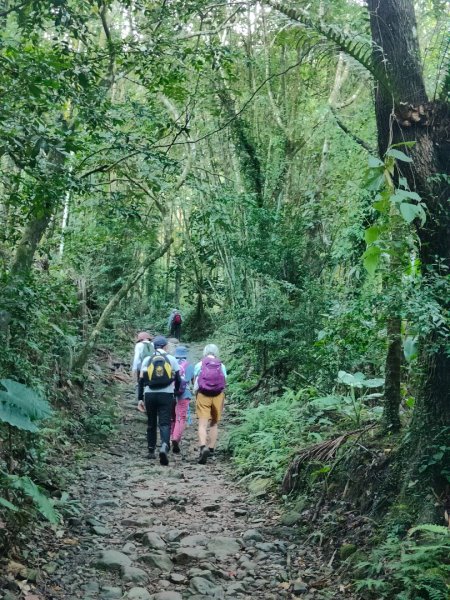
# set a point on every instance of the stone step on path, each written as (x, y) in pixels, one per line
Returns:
(185, 531)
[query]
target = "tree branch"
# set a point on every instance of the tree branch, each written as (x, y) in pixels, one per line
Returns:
(4, 13)
(82, 357)
(149, 193)
(354, 137)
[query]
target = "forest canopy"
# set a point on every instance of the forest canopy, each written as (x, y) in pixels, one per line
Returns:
(280, 171)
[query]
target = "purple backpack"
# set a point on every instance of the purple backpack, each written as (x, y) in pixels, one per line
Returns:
(211, 380)
(183, 385)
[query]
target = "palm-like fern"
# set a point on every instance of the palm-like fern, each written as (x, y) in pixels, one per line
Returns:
(354, 46)
(21, 407)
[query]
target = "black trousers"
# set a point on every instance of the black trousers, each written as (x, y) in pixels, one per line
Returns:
(159, 411)
(175, 330)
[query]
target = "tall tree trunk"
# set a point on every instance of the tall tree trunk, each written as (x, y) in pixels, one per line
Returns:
(245, 145)
(31, 236)
(391, 417)
(406, 114)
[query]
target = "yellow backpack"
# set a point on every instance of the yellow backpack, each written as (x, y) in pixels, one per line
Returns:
(159, 372)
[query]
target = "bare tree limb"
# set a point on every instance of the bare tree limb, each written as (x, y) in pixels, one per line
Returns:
(82, 357)
(149, 193)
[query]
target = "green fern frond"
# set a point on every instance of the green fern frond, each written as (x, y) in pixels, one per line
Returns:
(43, 504)
(20, 406)
(430, 528)
(8, 504)
(355, 47)
(445, 90)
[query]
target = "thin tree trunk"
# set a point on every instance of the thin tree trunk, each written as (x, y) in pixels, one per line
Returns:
(82, 357)
(391, 417)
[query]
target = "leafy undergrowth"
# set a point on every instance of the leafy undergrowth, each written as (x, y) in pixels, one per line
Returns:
(414, 568)
(337, 487)
(36, 469)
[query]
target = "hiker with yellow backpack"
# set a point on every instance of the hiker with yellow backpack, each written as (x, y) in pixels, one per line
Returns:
(159, 381)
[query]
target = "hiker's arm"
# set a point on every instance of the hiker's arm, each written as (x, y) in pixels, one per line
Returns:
(141, 387)
(177, 381)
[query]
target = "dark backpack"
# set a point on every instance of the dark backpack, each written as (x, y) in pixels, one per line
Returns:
(159, 372)
(183, 383)
(177, 320)
(211, 380)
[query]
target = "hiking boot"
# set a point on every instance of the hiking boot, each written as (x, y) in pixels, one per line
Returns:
(175, 447)
(204, 453)
(163, 458)
(151, 453)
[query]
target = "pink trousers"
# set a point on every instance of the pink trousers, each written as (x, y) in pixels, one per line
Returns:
(179, 416)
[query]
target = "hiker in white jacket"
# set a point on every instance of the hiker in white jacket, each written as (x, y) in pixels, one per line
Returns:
(143, 348)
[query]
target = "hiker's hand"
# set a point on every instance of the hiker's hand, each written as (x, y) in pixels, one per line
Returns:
(140, 406)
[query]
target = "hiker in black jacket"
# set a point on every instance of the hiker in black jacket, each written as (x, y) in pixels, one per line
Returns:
(158, 382)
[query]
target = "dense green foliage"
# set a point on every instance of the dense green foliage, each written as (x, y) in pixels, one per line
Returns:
(223, 158)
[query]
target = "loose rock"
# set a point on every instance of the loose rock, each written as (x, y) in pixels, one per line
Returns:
(167, 596)
(138, 593)
(153, 540)
(112, 560)
(134, 575)
(161, 561)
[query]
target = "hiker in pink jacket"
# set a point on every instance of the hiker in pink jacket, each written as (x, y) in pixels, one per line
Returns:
(182, 399)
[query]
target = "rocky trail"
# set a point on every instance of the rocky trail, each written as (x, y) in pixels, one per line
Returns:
(186, 531)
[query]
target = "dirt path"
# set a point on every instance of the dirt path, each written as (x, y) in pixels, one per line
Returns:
(168, 533)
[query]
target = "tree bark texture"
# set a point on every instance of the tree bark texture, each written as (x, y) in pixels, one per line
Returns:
(245, 146)
(406, 114)
(393, 364)
(31, 237)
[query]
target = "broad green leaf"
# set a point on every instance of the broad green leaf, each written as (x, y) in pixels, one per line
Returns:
(371, 259)
(374, 162)
(405, 195)
(375, 182)
(346, 378)
(373, 383)
(398, 155)
(11, 415)
(382, 202)
(20, 406)
(422, 215)
(409, 211)
(372, 234)
(358, 376)
(25, 399)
